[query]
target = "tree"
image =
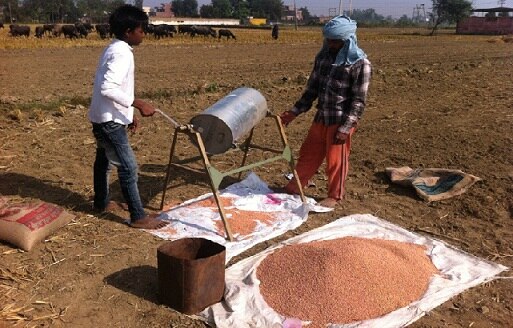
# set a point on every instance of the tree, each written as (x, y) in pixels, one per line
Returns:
(111, 5)
(404, 21)
(222, 8)
(59, 11)
(95, 9)
(185, 8)
(449, 11)
(48, 11)
(207, 11)
(366, 16)
(270, 9)
(240, 8)
(306, 13)
(11, 10)
(138, 3)
(98, 10)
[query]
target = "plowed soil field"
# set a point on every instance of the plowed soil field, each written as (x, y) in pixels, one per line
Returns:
(435, 102)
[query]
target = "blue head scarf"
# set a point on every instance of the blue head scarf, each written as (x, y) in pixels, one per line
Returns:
(344, 28)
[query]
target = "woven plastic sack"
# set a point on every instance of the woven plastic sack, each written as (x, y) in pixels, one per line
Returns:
(25, 225)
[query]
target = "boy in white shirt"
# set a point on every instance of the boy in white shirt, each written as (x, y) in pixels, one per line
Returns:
(112, 112)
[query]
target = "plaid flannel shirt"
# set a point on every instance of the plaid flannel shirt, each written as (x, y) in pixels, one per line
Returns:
(340, 91)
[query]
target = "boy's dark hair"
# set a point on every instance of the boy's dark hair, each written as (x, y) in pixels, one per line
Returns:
(127, 17)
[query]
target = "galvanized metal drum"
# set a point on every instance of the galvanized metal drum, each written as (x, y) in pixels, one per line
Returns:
(229, 119)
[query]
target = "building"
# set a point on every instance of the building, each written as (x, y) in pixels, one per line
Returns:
(290, 14)
(165, 10)
(495, 21)
(195, 21)
(324, 19)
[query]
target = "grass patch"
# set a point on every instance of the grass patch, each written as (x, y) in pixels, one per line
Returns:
(288, 35)
(156, 94)
(54, 105)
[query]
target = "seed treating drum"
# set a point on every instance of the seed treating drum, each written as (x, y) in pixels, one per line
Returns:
(229, 119)
(217, 129)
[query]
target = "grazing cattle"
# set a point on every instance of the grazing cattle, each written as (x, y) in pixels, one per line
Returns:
(81, 29)
(70, 31)
(88, 26)
(227, 33)
(163, 30)
(57, 30)
(184, 29)
(203, 30)
(39, 32)
(19, 30)
(48, 28)
(171, 28)
(103, 30)
(149, 29)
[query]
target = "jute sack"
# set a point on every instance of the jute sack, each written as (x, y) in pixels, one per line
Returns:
(25, 225)
(433, 184)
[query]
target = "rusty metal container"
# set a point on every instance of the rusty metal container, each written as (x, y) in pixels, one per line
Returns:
(229, 119)
(191, 274)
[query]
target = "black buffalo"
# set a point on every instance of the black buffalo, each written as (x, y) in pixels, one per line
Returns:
(70, 31)
(19, 30)
(163, 30)
(227, 33)
(149, 28)
(203, 30)
(48, 28)
(57, 30)
(171, 28)
(185, 29)
(89, 27)
(82, 30)
(40, 31)
(103, 30)
(1, 25)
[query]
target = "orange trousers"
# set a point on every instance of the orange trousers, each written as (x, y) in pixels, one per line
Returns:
(319, 144)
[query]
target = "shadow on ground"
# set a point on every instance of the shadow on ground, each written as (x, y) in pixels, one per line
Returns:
(141, 281)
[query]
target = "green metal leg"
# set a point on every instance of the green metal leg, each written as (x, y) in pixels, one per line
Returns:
(246, 149)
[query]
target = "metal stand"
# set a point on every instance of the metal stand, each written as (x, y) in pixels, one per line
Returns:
(216, 176)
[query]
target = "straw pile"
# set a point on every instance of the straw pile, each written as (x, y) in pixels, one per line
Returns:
(344, 280)
(16, 307)
(9, 291)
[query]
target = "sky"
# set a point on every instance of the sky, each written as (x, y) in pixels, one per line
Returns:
(394, 8)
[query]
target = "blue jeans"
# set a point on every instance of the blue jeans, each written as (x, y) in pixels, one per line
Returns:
(113, 148)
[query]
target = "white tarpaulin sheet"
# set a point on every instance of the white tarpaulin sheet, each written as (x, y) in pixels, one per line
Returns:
(254, 213)
(244, 306)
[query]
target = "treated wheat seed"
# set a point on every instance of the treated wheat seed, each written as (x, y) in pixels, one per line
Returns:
(344, 280)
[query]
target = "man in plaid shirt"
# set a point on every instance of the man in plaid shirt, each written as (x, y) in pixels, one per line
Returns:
(339, 81)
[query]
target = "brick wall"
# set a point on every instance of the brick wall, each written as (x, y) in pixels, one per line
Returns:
(485, 25)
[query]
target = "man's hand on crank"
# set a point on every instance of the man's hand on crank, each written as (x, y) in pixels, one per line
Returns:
(146, 109)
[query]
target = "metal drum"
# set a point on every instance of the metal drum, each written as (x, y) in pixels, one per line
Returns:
(229, 119)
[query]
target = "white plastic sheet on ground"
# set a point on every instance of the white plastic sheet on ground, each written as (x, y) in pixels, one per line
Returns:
(243, 305)
(251, 194)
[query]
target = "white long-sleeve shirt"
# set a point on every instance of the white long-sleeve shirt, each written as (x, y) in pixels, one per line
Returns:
(113, 91)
